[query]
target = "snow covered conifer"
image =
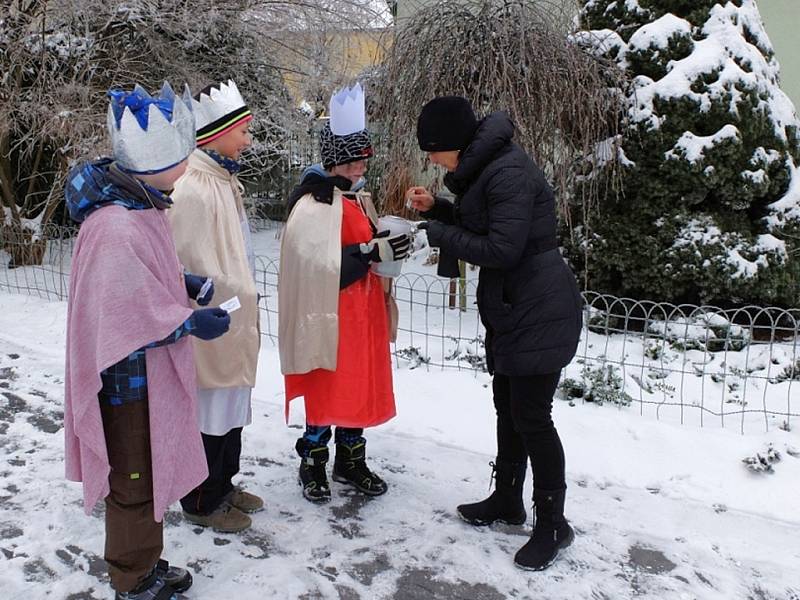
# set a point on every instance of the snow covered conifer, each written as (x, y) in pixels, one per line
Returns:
(710, 203)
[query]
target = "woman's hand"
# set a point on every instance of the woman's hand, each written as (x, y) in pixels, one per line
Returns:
(419, 198)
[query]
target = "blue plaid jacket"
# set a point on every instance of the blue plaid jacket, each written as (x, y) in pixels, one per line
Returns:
(126, 381)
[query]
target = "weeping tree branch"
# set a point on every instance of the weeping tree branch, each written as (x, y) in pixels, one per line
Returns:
(514, 56)
(58, 58)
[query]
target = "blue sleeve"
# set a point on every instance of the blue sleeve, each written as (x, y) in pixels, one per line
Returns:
(183, 329)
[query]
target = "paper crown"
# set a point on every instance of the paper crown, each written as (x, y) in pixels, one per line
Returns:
(346, 111)
(150, 134)
(217, 109)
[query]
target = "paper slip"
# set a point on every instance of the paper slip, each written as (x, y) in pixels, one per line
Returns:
(231, 305)
(204, 290)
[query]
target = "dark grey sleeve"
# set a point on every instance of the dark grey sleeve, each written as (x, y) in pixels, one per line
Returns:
(509, 205)
(442, 210)
(355, 265)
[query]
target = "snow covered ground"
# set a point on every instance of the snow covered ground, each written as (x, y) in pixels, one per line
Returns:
(662, 510)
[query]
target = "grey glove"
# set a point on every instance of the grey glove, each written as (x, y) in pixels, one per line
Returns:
(383, 248)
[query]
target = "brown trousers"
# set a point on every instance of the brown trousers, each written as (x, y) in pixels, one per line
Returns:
(134, 539)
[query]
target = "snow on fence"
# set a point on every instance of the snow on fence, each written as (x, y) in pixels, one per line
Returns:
(700, 365)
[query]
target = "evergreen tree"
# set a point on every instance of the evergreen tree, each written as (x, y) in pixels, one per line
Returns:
(709, 209)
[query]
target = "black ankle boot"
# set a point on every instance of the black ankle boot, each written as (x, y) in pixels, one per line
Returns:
(312, 474)
(350, 467)
(551, 532)
(178, 579)
(505, 503)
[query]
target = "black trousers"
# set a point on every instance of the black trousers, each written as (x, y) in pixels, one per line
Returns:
(222, 456)
(525, 426)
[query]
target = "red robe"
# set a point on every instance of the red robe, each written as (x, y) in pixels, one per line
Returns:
(359, 392)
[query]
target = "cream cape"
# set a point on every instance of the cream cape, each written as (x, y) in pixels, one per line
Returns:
(206, 225)
(308, 284)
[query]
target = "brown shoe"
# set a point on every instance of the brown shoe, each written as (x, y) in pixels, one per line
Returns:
(226, 519)
(245, 501)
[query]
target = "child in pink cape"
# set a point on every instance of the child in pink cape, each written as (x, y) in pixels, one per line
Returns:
(130, 402)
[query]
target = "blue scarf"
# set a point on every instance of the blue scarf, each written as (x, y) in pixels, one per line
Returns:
(230, 165)
(100, 183)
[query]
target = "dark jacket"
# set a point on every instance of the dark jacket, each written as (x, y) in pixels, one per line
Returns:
(504, 221)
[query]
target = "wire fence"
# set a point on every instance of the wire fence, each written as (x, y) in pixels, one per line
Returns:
(700, 365)
(36, 261)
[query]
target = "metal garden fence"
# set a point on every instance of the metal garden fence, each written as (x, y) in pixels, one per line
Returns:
(691, 364)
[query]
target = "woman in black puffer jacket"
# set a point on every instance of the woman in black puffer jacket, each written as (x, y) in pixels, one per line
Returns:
(504, 221)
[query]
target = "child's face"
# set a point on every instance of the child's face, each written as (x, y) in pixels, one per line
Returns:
(165, 181)
(353, 171)
(233, 143)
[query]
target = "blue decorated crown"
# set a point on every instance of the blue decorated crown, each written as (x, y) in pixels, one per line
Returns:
(150, 134)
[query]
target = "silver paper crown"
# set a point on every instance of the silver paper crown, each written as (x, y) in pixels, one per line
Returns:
(163, 143)
(219, 102)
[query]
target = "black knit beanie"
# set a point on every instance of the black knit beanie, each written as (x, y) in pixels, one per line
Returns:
(343, 149)
(446, 123)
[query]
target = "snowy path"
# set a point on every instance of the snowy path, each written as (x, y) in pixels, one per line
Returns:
(648, 499)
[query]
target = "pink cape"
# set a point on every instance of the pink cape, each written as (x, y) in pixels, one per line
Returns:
(127, 290)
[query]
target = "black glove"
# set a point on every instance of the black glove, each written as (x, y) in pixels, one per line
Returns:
(383, 248)
(209, 323)
(434, 230)
(447, 266)
(194, 283)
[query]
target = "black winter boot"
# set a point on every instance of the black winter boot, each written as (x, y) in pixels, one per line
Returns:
(178, 579)
(152, 588)
(551, 532)
(312, 475)
(350, 467)
(505, 503)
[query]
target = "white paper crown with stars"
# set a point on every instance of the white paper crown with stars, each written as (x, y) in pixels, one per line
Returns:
(148, 133)
(219, 108)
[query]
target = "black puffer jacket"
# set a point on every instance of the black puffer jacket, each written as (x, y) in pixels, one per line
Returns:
(504, 221)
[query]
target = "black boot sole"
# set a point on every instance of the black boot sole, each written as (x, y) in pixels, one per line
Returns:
(363, 490)
(182, 585)
(313, 499)
(562, 546)
(179, 585)
(483, 523)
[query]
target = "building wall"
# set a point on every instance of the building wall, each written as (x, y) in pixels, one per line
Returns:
(782, 21)
(407, 8)
(334, 55)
